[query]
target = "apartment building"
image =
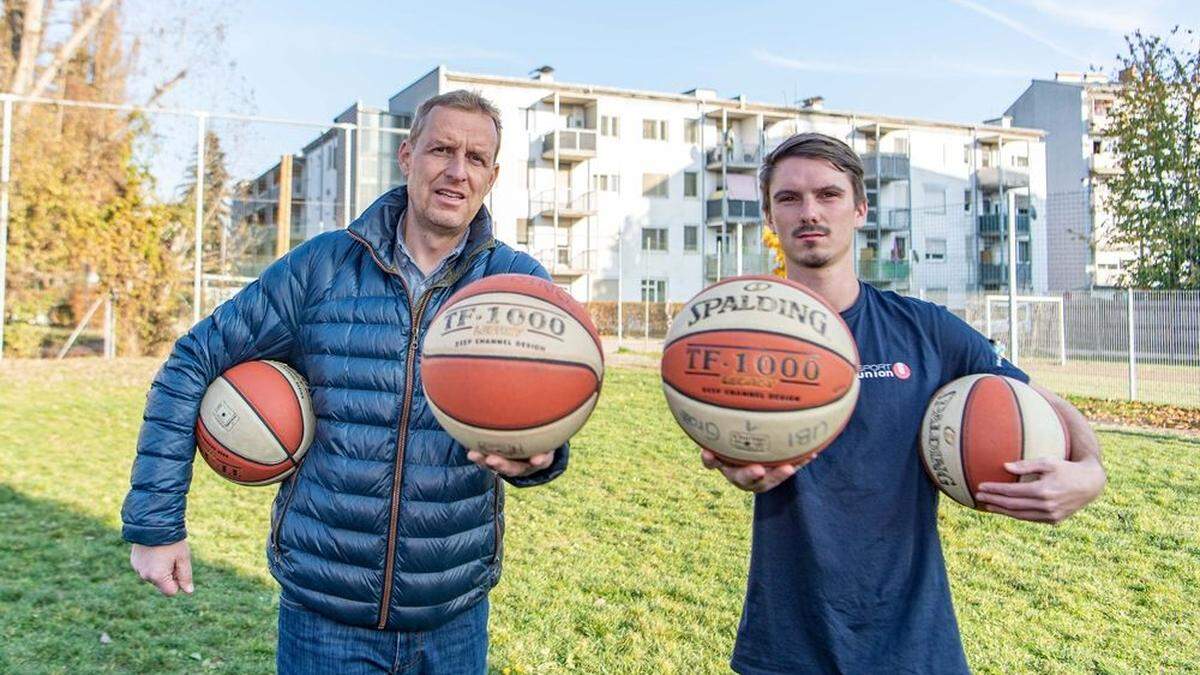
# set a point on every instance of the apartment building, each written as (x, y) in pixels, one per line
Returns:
(653, 195)
(1073, 109)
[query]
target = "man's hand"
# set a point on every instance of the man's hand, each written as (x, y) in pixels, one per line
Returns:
(168, 567)
(512, 468)
(1061, 488)
(754, 477)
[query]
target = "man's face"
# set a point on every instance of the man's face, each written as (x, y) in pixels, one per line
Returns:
(450, 168)
(813, 212)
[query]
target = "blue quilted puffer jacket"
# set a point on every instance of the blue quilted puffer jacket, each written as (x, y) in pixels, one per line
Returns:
(386, 523)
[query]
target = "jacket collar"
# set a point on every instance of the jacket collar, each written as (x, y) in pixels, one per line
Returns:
(378, 227)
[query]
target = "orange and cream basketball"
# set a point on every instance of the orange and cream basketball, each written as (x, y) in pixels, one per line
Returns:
(256, 422)
(761, 370)
(512, 366)
(975, 424)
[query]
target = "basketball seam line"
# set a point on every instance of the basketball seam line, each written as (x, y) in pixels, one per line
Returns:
(490, 357)
(260, 419)
(208, 437)
(294, 380)
(755, 410)
(1020, 414)
(766, 332)
(962, 443)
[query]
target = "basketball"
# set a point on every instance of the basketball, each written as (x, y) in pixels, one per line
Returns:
(760, 370)
(512, 366)
(975, 424)
(256, 423)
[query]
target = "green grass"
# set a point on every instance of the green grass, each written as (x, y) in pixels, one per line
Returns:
(634, 561)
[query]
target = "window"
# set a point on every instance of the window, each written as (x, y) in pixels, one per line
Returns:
(654, 185)
(654, 290)
(332, 157)
(901, 145)
(691, 238)
(1020, 161)
(967, 154)
(966, 200)
(935, 199)
(691, 131)
(935, 249)
(606, 182)
(1022, 252)
(654, 239)
(610, 126)
(522, 230)
(691, 184)
(654, 130)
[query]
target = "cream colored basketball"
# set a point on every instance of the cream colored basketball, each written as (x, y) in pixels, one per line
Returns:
(975, 424)
(512, 366)
(760, 370)
(256, 422)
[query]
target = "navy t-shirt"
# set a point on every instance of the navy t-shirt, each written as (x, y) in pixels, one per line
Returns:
(846, 568)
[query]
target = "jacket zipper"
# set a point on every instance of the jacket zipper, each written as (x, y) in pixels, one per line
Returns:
(499, 531)
(287, 501)
(402, 432)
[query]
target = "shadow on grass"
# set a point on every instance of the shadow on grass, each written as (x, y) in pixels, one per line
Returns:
(65, 582)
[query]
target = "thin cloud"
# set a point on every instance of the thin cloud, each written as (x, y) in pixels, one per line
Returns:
(908, 69)
(1112, 17)
(1020, 28)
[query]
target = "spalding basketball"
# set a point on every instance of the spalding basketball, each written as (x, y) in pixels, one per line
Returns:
(760, 370)
(255, 423)
(512, 366)
(975, 424)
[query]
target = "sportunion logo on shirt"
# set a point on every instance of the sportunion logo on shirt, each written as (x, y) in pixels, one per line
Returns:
(878, 371)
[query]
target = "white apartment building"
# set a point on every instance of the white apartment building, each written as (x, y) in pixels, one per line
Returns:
(1073, 109)
(654, 195)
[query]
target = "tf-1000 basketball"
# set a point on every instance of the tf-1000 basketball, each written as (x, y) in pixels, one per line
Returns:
(256, 422)
(760, 370)
(512, 366)
(976, 423)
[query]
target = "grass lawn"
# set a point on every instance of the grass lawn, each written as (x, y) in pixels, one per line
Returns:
(634, 561)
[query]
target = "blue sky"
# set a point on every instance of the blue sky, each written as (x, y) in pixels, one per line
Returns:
(953, 60)
(960, 60)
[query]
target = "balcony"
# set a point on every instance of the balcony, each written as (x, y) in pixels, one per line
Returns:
(574, 145)
(988, 178)
(996, 224)
(564, 262)
(740, 158)
(571, 206)
(1098, 125)
(883, 271)
(1104, 163)
(753, 262)
(740, 211)
(891, 166)
(993, 275)
(893, 219)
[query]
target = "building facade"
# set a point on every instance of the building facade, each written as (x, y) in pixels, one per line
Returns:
(1073, 109)
(652, 195)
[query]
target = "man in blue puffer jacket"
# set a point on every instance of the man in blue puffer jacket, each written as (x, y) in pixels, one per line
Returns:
(388, 537)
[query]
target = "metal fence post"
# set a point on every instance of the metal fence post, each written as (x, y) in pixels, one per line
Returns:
(201, 119)
(1133, 388)
(1062, 333)
(1014, 351)
(5, 162)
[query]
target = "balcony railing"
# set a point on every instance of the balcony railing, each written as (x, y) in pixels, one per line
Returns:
(739, 156)
(740, 210)
(570, 204)
(892, 166)
(883, 271)
(573, 144)
(996, 274)
(564, 261)
(1104, 163)
(997, 223)
(989, 177)
(893, 219)
(753, 262)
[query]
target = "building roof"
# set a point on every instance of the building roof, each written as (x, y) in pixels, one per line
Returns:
(738, 105)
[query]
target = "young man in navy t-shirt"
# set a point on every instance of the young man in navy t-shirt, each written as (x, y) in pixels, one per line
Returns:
(846, 568)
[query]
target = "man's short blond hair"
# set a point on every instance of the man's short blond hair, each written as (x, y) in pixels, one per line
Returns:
(461, 99)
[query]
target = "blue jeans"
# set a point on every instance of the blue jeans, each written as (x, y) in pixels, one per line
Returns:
(310, 643)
